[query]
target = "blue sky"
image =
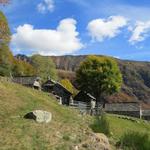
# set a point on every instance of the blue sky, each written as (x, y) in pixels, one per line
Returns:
(119, 28)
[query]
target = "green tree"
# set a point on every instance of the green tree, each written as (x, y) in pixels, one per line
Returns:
(9, 65)
(6, 60)
(44, 66)
(6, 57)
(4, 30)
(22, 68)
(99, 76)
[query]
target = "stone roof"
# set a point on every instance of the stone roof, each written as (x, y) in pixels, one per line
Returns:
(49, 82)
(92, 97)
(36, 84)
(84, 96)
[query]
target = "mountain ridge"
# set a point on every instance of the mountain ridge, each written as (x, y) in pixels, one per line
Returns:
(136, 76)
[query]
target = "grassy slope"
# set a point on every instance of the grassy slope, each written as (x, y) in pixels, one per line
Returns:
(18, 133)
(119, 126)
(66, 129)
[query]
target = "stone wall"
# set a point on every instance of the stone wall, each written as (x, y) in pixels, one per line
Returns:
(129, 109)
(146, 114)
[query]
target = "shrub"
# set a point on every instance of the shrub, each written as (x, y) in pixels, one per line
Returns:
(101, 125)
(135, 141)
(66, 137)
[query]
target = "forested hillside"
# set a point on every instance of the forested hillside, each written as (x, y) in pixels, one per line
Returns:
(136, 76)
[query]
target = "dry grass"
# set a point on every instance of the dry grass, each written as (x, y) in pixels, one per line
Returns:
(65, 130)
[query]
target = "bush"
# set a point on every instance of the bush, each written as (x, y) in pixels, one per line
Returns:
(135, 141)
(101, 125)
(66, 137)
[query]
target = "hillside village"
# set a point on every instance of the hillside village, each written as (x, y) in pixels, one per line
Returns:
(64, 97)
(67, 130)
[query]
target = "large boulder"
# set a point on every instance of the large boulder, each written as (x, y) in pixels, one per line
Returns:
(40, 116)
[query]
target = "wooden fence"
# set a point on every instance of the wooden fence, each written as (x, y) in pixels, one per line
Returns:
(85, 108)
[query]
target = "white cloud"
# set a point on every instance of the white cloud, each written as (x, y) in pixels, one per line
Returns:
(132, 12)
(100, 29)
(63, 40)
(139, 32)
(46, 5)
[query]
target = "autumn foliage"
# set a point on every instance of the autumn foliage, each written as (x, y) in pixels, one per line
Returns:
(8, 64)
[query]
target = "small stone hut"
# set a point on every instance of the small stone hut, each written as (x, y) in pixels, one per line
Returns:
(48, 85)
(84, 97)
(61, 91)
(58, 90)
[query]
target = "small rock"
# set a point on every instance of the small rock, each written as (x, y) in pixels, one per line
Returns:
(40, 116)
(76, 148)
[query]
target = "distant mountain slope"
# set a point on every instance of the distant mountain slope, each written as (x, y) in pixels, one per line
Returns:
(136, 75)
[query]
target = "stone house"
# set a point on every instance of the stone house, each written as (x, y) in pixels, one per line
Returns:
(60, 92)
(84, 97)
(48, 85)
(63, 93)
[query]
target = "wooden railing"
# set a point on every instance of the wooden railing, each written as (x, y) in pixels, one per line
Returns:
(85, 108)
